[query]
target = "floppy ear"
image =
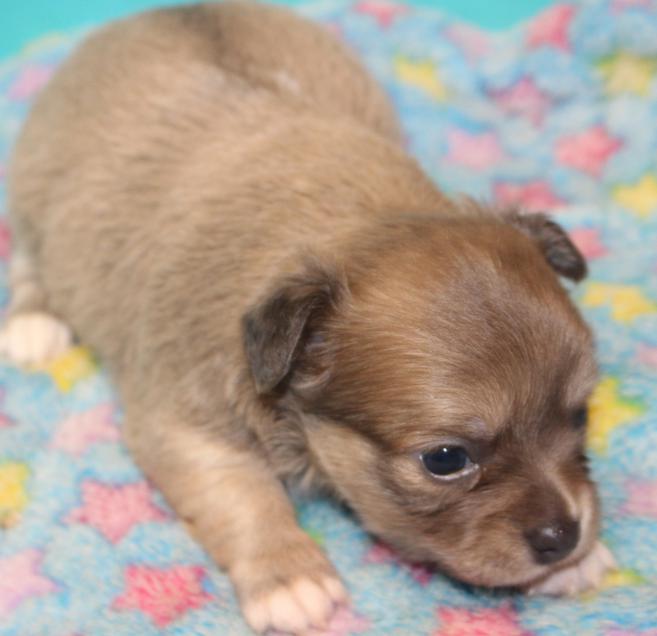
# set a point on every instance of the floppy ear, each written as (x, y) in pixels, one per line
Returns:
(273, 331)
(558, 249)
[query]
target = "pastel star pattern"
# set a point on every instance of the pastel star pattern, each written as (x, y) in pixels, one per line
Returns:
(639, 198)
(5, 237)
(5, 420)
(608, 410)
(628, 302)
(625, 72)
(455, 621)
(641, 498)
(587, 151)
(533, 195)
(13, 491)
(623, 577)
(473, 42)
(523, 98)
(588, 241)
(647, 355)
(478, 151)
(72, 367)
(164, 594)
(383, 11)
(115, 510)
(79, 431)
(551, 27)
(421, 74)
(21, 579)
(381, 553)
(31, 80)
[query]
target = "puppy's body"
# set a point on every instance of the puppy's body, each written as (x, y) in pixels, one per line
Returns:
(217, 200)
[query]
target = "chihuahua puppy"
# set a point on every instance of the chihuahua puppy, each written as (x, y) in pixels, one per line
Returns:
(217, 199)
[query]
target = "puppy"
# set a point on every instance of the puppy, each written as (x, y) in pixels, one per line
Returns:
(216, 198)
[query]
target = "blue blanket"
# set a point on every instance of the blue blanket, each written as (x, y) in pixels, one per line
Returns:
(558, 115)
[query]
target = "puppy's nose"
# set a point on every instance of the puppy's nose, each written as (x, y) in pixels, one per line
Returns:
(554, 541)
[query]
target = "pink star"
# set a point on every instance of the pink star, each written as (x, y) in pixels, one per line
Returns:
(79, 431)
(384, 11)
(641, 498)
(476, 151)
(29, 82)
(523, 98)
(587, 151)
(381, 553)
(20, 580)
(647, 355)
(5, 241)
(551, 27)
(114, 510)
(5, 421)
(588, 242)
(463, 622)
(473, 42)
(163, 594)
(532, 195)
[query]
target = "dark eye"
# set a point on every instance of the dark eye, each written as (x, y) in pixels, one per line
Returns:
(580, 417)
(446, 460)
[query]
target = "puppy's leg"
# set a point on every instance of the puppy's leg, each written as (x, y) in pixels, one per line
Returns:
(31, 335)
(239, 511)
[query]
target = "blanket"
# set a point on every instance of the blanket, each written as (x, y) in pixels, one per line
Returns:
(558, 114)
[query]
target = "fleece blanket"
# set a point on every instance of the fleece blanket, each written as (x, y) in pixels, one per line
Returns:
(558, 114)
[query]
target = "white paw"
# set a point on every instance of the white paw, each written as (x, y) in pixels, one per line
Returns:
(296, 608)
(585, 575)
(34, 338)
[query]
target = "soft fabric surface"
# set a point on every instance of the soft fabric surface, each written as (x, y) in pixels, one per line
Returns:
(558, 115)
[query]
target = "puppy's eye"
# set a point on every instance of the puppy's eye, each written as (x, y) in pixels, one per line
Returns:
(580, 417)
(447, 461)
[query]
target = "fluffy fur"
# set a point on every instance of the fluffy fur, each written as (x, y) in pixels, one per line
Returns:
(216, 198)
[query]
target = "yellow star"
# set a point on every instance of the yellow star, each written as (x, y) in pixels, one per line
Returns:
(627, 301)
(607, 411)
(622, 578)
(640, 198)
(13, 496)
(616, 578)
(422, 74)
(71, 367)
(627, 73)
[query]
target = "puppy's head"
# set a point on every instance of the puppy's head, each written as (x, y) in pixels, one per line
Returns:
(441, 375)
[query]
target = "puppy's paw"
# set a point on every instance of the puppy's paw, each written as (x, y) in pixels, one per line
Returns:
(292, 589)
(296, 608)
(583, 576)
(34, 338)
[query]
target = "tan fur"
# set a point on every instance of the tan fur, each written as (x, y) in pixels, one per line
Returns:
(216, 198)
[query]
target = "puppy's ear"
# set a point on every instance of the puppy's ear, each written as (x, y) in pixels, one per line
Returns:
(274, 330)
(558, 249)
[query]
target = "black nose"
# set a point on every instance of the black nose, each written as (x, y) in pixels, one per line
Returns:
(554, 541)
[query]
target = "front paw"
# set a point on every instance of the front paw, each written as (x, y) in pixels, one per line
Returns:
(296, 607)
(583, 576)
(294, 590)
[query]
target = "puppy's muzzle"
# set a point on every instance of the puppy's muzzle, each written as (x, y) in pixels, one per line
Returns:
(553, 541)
